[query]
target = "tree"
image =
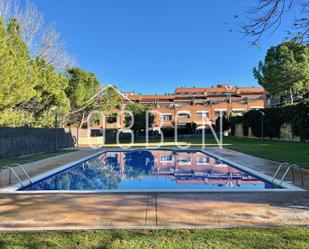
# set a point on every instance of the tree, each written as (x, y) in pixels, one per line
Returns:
(267, 16)
(82, 91)
(43, 40)
(226, 124)
(109, 100)
(285, 70)
(50, 95)
(17, 77)
(29, 89)
(139, 112)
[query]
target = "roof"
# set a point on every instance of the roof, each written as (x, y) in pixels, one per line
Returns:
(189, 89)
(150, 97)
(223, 88)
(220, 90)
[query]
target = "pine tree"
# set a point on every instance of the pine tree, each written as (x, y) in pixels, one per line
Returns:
(17, 79)
(285, 70)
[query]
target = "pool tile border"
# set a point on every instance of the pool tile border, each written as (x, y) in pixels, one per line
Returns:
(287, 187)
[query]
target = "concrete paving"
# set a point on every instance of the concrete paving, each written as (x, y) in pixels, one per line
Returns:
(268, 167)
(42, 166)
(74, 211)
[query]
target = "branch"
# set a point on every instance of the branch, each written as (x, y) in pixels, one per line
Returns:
(268, 15)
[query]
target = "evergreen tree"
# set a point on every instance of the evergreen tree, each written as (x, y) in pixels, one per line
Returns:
(81, 90)
(17, 78)
(109, 100)
(285, 70)
(30, 90)
(50, 94)
(139, 112)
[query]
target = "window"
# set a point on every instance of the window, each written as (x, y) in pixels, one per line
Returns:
(182, 103)
(166, 117)
(166, 105)
(166, 158)
(218, 113)
(183, 115)
(201, 114)
(186, 160)
(214, 93)
(256, 108)
(96, 133)
(236, 113)
(203, 160)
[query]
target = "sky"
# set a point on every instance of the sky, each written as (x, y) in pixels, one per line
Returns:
(154, 46)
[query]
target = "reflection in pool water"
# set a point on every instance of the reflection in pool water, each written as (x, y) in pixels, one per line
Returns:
(151, 170)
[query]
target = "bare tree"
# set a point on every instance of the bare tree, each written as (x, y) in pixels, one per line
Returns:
(43, 41)
(30, 20)
(6, 9)
(53, 49)
(267, 16)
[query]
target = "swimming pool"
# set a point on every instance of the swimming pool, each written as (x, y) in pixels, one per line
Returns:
(151, 170)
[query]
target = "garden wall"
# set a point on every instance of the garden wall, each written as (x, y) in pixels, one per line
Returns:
(23, 140)
(289, 123)
(286, 133)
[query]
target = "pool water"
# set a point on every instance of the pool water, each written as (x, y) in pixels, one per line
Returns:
(151, 170)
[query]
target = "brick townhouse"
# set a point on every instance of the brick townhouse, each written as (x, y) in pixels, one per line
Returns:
(189, 105)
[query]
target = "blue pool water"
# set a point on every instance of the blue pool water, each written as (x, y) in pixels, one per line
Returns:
(143, 170)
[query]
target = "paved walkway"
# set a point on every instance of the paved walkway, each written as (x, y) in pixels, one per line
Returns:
(72, 211)
(263, 165)
(42, 166)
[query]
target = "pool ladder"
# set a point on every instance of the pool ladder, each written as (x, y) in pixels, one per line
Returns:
(289, 167)
(12, 170)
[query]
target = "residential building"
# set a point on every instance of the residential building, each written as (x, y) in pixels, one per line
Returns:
(187, 105)
(193, 105)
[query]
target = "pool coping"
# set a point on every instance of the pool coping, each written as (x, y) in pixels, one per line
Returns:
(139, 227)
(287, 186)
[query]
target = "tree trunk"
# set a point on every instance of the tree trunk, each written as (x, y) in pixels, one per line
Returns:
(291, 95)
(82, 121)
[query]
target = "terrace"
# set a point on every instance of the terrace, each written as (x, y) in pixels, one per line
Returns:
(75, 210)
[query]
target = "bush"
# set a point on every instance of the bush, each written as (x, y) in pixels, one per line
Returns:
(226, 124)
(235, 121)
(189, 128)
(296, 115)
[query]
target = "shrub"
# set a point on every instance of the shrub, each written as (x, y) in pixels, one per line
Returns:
(296, 115)
(226, 124)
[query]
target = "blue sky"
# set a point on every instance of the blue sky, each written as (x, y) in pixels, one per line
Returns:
(154, 46)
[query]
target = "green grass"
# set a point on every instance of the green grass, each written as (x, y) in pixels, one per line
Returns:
(30, 158)
(292, 152)
(270, 238)
(281, 151)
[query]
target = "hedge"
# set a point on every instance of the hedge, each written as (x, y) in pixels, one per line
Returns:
(189, 128)
(296, 115)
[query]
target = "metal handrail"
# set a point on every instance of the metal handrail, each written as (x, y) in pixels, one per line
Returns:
(291, 168)
(12, 170)
(278, 170)
(23, 169)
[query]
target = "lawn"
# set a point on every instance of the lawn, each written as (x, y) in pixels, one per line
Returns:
(292, 152)
(281, 151)
(31, 158)
(195, 239)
